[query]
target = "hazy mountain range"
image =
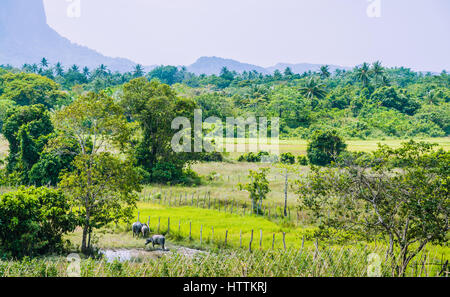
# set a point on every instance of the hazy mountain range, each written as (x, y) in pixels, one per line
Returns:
(25, 37)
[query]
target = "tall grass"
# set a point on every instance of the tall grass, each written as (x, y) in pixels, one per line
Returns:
(326, 262)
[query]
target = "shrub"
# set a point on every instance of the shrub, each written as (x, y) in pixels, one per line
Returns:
(324, 147)
(212, 157)
(252, 157)
(302, 160)
(287, 158)
(33, 221)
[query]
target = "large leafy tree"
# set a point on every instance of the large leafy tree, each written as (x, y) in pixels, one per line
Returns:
(29, 89)
(154, 106)
(324, 147)
(101, 185)
(402, 194)
(24, 128)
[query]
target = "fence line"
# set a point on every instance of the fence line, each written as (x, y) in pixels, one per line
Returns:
(266, 209)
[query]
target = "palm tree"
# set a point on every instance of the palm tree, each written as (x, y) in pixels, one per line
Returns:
(59, 70)
(34, 68)
(44, 63)
(75, 68)
(86, 71)
(313, 89)
(138, 70)
(377, 70)
(102, 69)
(363, 74)
(325, 71)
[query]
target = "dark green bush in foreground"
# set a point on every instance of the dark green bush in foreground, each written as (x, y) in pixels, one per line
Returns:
(33, 221)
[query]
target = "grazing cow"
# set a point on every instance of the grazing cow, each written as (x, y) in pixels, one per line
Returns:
(157, 240)
(145, 230)
(137, 227)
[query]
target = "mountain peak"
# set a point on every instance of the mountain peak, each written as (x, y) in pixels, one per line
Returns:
(25, 37)
(214, 65)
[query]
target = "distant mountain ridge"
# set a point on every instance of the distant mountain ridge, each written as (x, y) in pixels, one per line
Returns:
(214, 65)
(25, 37)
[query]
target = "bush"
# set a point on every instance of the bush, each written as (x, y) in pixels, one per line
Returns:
(165, 172)
(324, 147)
(302, 160)
(252, 157)
(287, 158)
(212, 157)
(33, 221)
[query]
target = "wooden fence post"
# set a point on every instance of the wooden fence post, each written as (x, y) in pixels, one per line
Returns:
(190, 230)
(284, 240)
(212, 234)
(240, 239)
(260, 239)
(250, 245)
(201, 234)
(159, 224)
(303, 241)
(273, 242)
(138, 216)
(226, 237)
(168, 225)
(179, 226)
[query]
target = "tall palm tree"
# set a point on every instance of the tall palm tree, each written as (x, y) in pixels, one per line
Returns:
(59, 70)
(86, 71)
(377, 70)
(34, 68)
(75, 68)
(44, 63)
(325, 71)
(363, 74)
(102, 69)
(138, 71)
(313, 89)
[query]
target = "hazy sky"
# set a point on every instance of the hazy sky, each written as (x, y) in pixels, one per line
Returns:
(412, 33)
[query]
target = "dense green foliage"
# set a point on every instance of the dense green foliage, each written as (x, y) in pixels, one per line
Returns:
(154, 106)
(33, 221)
(401, 194)
(369, 102)
(258, 188)
(324, 147)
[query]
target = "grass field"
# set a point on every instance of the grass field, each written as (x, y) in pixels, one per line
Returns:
(214, 230)
(298, 146)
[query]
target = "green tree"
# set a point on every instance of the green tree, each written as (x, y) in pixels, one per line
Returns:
(29, 89)
(363, 74)
(24, 128)
(33, 221)
(154, 106)
(325, 71)
(258, 188)
(104, 190)
(324, 147)
(401, 193)
(101, 185)
(313, 89)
